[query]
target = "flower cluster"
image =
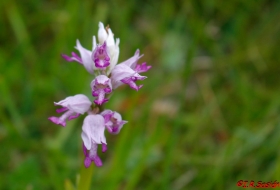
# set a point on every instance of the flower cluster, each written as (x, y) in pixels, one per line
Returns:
(101, 62)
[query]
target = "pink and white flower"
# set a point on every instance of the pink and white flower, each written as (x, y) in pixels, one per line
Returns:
(92, 135)
(101, 86)
(101, 62)
(128, 71)
(73, 106)
(113, 121)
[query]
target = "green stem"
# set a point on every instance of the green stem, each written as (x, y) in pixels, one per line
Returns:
(85, 177)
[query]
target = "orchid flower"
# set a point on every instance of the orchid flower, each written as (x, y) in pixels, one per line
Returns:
(128, 71)
(113, 121)
(100, 86)
(101, 62)
(73, 106)
(92, 135)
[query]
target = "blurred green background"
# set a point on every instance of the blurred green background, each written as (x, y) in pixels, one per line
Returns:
(207, 116)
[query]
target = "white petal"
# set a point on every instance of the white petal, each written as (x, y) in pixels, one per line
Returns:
(110, 40)
(86, 140)
(86, 57)
(102, 34)
(78, 103)
(94, 127)
(93, 43)
(63, 102)
(114, 55)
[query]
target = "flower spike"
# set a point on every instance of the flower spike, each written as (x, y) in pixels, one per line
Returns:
(101, 62)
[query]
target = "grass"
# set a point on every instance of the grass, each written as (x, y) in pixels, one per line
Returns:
(207, 116)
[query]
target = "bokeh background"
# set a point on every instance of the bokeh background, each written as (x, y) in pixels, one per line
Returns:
(207, 116)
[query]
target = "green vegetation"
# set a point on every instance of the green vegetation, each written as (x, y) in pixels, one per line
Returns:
(207, 116)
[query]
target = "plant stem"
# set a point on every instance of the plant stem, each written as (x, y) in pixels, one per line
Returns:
(85, 177)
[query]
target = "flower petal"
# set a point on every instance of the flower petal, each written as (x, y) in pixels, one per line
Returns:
(113, 121)
(120, 72)
(86, 140)
(131, 81)
(57, 121)
(86, 57)
(114, 55)
(100, 56)
(101, 86)
(78, 103)
(94, 156)
(87, 162)
(104, 147)
(102, 34)
(94, 127)
(74, 57)
(123, 74)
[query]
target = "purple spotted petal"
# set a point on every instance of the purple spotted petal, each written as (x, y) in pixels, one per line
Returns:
(101, 57)
(101, 86)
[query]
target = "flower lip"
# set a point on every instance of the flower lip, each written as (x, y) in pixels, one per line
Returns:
(100, 56)
(101, 86)
(92, 135)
